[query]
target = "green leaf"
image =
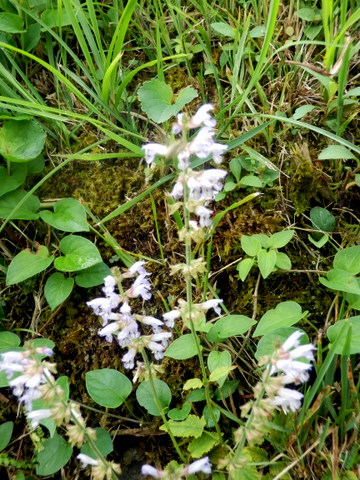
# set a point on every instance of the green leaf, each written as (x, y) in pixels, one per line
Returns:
(348, 259)
(229, 326)
(334, 331)
(193, 383)
(302, 111)
(192, 426)
(341, 280)
(56, 18)
(280, 239)
(57, 289)
(11, 23)
(6, 430)
(283, 261)
(180, 414)
(182, 348)
(244, 268)
(21, 141)
(32, 36)
(323, 240)
(266, 262)
(263, 239)
(92, 276)
(223, 28)
(251, 181)
(284, 314)
(218, 360)
(103, 442)
(210, 421)
(336, 152)
(8, 340)
(79, 253)
(26, 264)
(250, 245)
(322, 219)
(108, 387)
(273, 339)
(8, 183)
(27, 211)
(307, 14)
(145, 396)
(227, 389)
(157, 99)
(258, 31)
(202, 444)
(69, 216)
(55, 453)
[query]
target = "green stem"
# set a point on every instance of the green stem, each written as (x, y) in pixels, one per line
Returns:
(159, 407)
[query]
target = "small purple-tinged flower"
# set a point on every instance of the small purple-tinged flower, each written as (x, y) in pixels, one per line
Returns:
(86, 460)
(153, 149)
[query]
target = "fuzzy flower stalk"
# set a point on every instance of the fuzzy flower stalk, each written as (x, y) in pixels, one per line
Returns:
(290, 364)
(31, 378)
(175, 472)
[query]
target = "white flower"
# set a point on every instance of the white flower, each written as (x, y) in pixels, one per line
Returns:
(204, 215)
(86, 460)
(288, 399)
(153, 149)
(183, 159)
(152, 471)
(153, 322)
(141, 287)
(109, 285)
(201, 465)
(130, 331)
(103, 306)
(128, 359)
(214, 304)
(203, 117)
(292, 341)
(137, 267)
(36, 416)
(203, 145)
(206, 184)
(108, 331)
(170, 317)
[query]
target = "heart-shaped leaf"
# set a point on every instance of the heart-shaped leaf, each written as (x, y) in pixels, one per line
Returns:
(57, 289)
(21, 141)
(69, 216)
(79, 253)
(8, 183)
(26, 264)
(157, 99)
(145, 396)
(26, 211)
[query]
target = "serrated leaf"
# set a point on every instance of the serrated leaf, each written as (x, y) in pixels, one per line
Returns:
(192, 426)
(21, 141)
(266, 262)
(69, 216)
(336, 152)
(108, 387)
(202, 444)
(216, 361)
(145, 396)
(80, 253)
(157, 99)
(26, 264)
(229, 326)
(193, 383)
(284, 314)
(244, 268)
(250, 245)
(27, 211)
(182, 348)
(57, 289)
(55, 453)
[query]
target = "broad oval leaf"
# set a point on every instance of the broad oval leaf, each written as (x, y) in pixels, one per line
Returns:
(348, 260)
(280, 239)
(333, 334)
(103, 443)
(6, 430)
(55, 453)
(217, 360)
(11, 23)
(79, 253)
(145, 396)
(341, 280)
(8, 183)
(229, 326)
(284, 314)
(8, 340)
(57, 289)
(244, 267)
(21, 141)
(108, 387)
(250, 245)
(182, 348)
(266, 262)
(28, 210)
(69, 216)
(336, 152)
(26, 264)
(275, 338)
(92, 276)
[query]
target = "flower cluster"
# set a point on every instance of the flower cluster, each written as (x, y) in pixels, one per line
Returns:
(198, 188)
(120, 323)
(284, 367)
(202, 465)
